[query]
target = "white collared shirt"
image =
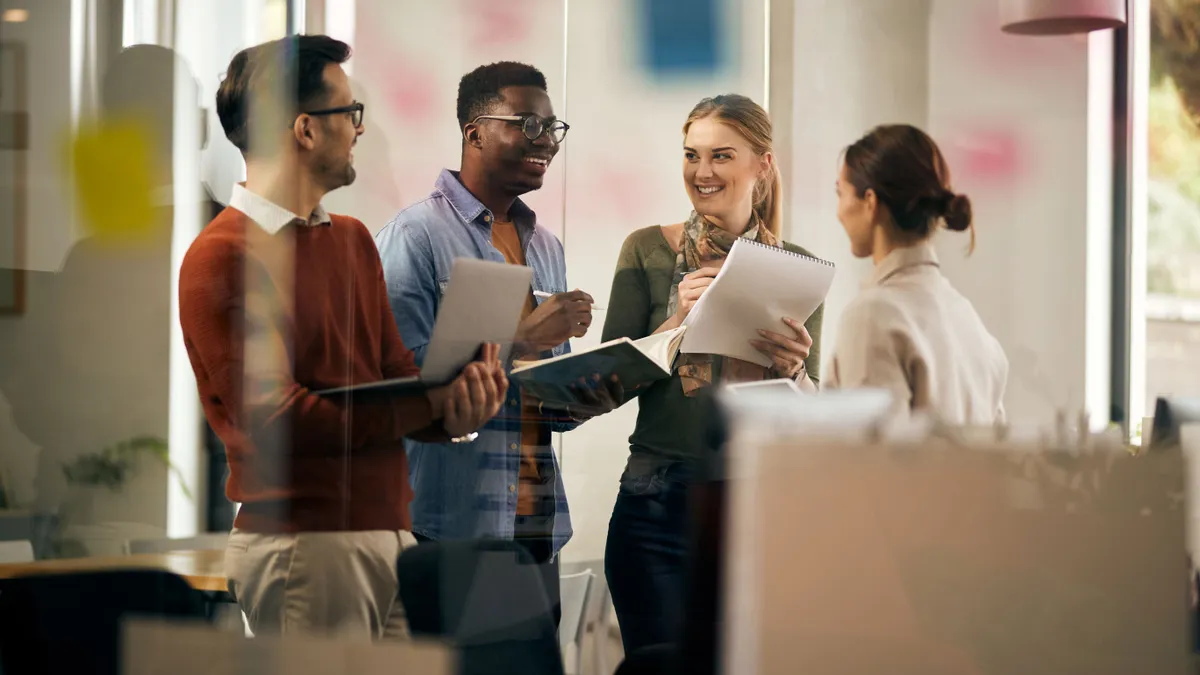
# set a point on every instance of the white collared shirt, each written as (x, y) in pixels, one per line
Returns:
(269, 215)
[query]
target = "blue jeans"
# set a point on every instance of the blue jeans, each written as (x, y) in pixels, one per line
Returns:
(646, 556)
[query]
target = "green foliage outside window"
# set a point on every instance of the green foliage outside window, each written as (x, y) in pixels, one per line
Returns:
(1173, 237)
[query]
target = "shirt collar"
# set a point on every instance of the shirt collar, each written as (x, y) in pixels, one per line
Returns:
(471, 209)
(901, 258)
(270, 216)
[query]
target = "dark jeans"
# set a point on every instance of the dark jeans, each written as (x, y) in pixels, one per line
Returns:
(645, 557)
(540, 549)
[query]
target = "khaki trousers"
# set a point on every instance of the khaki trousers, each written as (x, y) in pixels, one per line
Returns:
(331, 583)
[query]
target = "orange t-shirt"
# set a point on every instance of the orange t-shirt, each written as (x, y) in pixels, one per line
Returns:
(506, 240)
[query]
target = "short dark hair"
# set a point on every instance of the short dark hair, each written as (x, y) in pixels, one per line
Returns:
(909, 175)
(479, 89)
(300, 60)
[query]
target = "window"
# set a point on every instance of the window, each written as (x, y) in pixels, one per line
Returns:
(1165, 344)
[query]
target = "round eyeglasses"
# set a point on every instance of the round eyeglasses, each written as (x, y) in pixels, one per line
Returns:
(533, 126)
(355, 110)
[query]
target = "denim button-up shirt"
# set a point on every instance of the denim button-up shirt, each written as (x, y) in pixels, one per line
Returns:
(466, 490)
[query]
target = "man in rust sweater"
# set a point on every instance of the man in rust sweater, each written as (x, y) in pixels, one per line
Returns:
(275, 306)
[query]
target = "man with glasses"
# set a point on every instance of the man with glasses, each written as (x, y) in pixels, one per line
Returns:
(506, 483)
(279, 299)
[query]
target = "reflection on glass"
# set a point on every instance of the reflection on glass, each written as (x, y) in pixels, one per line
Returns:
(1172, 307)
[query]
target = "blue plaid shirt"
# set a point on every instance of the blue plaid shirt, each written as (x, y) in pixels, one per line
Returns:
(468, 490)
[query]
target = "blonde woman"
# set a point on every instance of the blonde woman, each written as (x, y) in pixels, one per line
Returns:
(730, 176)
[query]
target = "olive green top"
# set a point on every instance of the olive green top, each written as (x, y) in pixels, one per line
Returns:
(670, 424)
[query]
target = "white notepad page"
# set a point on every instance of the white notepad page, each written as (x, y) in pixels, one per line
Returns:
(757, 286)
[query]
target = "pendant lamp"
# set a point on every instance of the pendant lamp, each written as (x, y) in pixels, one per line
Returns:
(1060, 17)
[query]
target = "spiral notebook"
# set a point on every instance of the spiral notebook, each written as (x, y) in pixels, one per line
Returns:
(757, 286)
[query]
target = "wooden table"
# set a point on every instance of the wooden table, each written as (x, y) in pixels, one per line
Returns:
(204, 570)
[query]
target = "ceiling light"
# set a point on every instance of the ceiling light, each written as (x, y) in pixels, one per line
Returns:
(1060, 17)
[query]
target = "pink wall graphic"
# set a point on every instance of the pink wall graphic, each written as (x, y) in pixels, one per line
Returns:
(410, 91)
(494, 24)
(981, 156)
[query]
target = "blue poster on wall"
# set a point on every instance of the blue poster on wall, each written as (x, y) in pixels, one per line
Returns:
(682, 37)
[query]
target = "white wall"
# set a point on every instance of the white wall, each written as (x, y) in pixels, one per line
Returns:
(46, 38)
(1012, 116)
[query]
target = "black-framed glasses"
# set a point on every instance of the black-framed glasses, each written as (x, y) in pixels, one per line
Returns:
(355, 110)
(533, 126)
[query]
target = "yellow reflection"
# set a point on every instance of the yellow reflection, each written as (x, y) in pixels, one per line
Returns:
(114, 179)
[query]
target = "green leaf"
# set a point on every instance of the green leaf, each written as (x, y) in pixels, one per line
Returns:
(111, 466)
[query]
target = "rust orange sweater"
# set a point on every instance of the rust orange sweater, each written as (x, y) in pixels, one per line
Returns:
(269, 319)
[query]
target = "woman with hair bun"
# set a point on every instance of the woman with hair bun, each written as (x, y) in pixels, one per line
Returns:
(909, 331)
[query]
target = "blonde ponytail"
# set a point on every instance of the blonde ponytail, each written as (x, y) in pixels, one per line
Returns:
(768, 201)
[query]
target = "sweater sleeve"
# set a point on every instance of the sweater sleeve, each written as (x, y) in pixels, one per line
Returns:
(629, 301)
(397, 359)
(233, 331)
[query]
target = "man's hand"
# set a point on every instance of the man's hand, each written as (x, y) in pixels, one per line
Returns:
(474, 397)
(558, 319)
(596, 397)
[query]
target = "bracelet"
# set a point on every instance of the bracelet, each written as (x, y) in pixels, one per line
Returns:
(466, 439)
(800, 372)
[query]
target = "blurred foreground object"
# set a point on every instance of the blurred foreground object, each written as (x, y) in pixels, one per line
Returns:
(954, 553)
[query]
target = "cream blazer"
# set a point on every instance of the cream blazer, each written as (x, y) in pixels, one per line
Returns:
(910, 332)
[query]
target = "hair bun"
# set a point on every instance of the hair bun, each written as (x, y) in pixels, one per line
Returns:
(957, 212)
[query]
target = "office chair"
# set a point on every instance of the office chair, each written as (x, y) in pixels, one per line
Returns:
(486, 597)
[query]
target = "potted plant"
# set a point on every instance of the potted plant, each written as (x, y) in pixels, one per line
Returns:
(96, 517)
(112, 466)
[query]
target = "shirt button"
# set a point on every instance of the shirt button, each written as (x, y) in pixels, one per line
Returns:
(512, 446)
(512, 488)
(512, 402)
(487, 218)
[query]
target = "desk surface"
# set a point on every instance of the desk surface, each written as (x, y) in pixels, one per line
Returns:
(204, 570)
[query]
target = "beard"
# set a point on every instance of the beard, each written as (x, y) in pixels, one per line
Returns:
(336, 173)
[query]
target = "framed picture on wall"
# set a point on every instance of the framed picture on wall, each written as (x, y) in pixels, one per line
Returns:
(14, 145)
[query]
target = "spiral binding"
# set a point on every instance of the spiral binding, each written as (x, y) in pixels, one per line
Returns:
(780, 249)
